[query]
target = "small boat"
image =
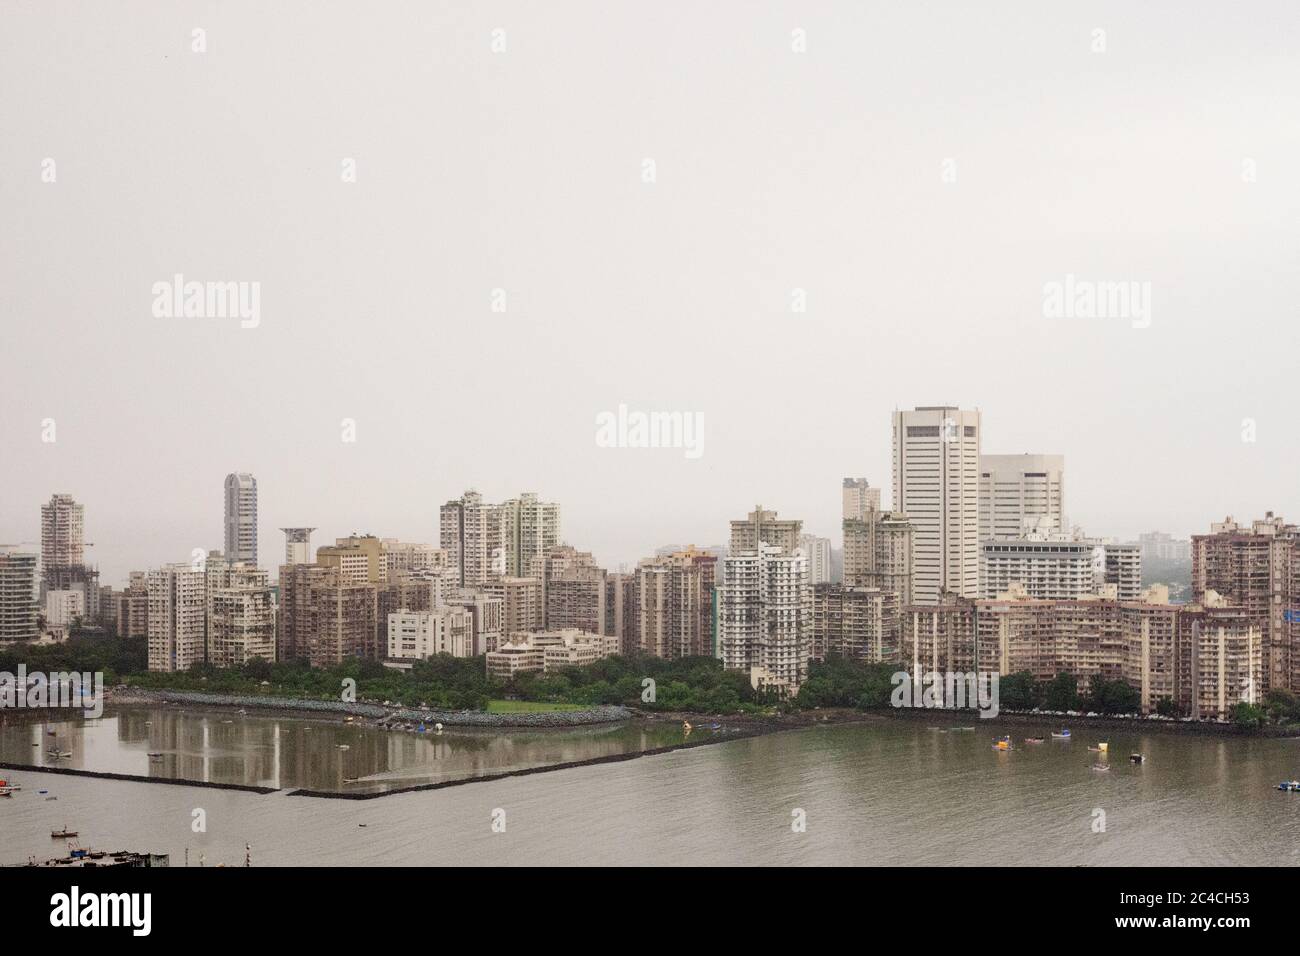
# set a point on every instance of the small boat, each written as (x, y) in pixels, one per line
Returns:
(7, 791)
(1034, 740)
(1063, 735)
(1290, 785)
(42, 792)
(1100, 766)
(58, 754)
(62, 834)
(344, 747)
(1002, 743)
(155, 753)
(1136, 758)
(52, 733)
(963, 728)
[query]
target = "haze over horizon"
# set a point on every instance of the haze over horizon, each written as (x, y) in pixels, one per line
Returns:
(775, 171)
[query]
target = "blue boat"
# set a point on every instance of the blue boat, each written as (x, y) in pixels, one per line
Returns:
(1063, 735)
(1292, 786)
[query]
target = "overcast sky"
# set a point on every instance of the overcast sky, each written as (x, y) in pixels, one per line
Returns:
(524, 170)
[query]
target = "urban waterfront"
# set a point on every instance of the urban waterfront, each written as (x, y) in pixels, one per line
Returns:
(879, 792)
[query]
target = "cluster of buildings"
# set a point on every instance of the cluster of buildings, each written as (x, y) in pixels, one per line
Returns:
(974, 566)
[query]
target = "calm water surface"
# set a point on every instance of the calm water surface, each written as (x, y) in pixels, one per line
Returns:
(886, 792)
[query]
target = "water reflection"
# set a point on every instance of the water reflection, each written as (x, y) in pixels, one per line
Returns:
(318, 754)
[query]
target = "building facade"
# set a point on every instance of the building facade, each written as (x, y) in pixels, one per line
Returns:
(765, 617)
(241, 517)
(1020, 493)
(936, 451)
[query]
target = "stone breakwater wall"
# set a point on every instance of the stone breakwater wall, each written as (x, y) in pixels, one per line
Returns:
(449, 718)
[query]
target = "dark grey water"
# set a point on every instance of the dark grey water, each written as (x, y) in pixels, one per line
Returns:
(888, 792)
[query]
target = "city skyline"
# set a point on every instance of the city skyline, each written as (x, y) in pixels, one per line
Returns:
(919, 282)
(114, 567)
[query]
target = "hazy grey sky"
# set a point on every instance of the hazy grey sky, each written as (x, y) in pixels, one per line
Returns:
(522, 170)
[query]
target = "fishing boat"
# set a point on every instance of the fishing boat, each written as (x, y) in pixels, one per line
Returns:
(1290, 785)
(62, 834)
(1034, 740)
(1063, 735)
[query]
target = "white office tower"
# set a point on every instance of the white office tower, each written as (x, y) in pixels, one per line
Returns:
(241, 518)
(818, 551)
(765, 617)
(297, 545)
(1021, 493)
(936, 484)
(177, 617)
(859, 498)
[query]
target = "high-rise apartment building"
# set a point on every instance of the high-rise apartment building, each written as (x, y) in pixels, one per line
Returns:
(133, 607)
(241, 517)
(63, 555)
(1158, 546)
(878, 553)
(471, 533)
(530, 527)
(819, 557)
(859, 498)
(62, 535)
(325, 616)
(675, 601)
(936, 484)
(241, 622)
(297, 545)
(359, 559)
(623, 609)
(1257, 567)
(1203, 658)
(177, 618)
(854, 622)
(765, 616)
(1021, 493)
(17, 596)
(522, 606)
(573, 589)
(764, 528)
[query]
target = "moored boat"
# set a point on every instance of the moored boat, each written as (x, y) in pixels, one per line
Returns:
(1034, 740)
(1002, 743)
(1101, 766)
(63, 834)
(1136, 758)
(1290, 785)
(1063, 735)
